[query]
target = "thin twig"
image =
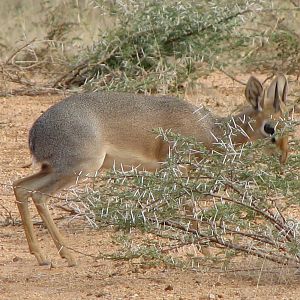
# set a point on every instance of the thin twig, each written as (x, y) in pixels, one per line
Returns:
(72, 211)
(32, 92)
(268, 78)
(282, 259)
(230, 76)
(19, 50)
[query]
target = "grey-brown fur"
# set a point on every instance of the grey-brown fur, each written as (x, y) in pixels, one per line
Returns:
(81, 123)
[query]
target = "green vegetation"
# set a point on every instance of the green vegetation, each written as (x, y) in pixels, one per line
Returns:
(151, 47)
(236, 201)
(155, 47)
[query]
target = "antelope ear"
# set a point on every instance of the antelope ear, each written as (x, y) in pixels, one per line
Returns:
(277, 91)
(254, 93)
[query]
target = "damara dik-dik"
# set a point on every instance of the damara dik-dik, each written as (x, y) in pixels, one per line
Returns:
(85, 133)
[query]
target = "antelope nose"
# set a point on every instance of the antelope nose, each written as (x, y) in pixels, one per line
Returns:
(269, 129)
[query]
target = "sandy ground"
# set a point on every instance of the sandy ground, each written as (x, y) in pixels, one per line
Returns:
(22, 278)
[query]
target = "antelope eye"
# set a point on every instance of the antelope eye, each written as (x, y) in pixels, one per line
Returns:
(269, 129)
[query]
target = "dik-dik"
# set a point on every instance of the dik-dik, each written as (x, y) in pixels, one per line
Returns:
(86, 133)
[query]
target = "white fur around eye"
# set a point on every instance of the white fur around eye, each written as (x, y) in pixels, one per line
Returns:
(262, 129)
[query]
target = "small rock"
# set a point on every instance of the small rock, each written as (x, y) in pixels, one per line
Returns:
(16, 258)
(99, 295)
(169, 288)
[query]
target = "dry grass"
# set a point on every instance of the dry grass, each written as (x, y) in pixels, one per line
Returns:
(22, 21)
